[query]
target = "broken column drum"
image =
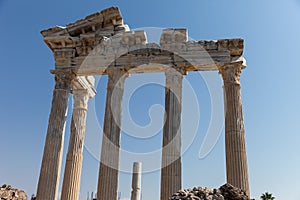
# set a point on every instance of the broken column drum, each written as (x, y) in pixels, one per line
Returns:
(101, 44)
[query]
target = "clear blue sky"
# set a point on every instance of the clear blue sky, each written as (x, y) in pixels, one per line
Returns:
(270, 88)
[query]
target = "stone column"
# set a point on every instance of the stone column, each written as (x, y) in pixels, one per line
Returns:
(171, 153)
(236, 159)
(109, 165)
(136, 181)
(72, 175)
(51, 164)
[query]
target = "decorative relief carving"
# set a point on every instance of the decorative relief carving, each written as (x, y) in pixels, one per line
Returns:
(236, 47)
(223, 45)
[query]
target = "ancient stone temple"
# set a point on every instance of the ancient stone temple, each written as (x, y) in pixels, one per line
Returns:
(101, 44)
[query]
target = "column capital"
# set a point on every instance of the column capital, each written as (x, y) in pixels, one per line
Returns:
(81, 97)
(231, 73)
(64, 81)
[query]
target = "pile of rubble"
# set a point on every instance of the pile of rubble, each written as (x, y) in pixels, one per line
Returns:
(225, 192)
(9, 193)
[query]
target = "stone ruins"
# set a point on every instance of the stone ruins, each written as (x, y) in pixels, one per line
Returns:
(225, 192)
(101, 44)
(9, 193)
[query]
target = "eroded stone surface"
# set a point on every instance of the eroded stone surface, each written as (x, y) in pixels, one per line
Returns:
(9, 193)
(102, 44)
(92, 44)
(235, 145)
(225, 192)
(171, 151)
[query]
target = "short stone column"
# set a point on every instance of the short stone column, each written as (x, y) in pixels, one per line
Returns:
(72, 175)
(236, 159)
(110, 152)
(171, 152)
(51, 164)
(136, 181)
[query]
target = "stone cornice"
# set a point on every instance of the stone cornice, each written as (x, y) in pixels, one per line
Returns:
(105, 18)
(107, 22)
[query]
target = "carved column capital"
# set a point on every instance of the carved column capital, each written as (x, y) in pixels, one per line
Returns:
(81, 97)
(231, 73)
(64, 81)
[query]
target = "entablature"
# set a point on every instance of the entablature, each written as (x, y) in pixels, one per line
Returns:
(100, 41)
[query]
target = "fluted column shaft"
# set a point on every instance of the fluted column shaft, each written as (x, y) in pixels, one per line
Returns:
(52, 157)
(72, 175)
(236, 158)
(136, 181)
(171, 153)
(109, 166)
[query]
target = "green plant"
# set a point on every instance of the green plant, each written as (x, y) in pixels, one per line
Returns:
(267, 196)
